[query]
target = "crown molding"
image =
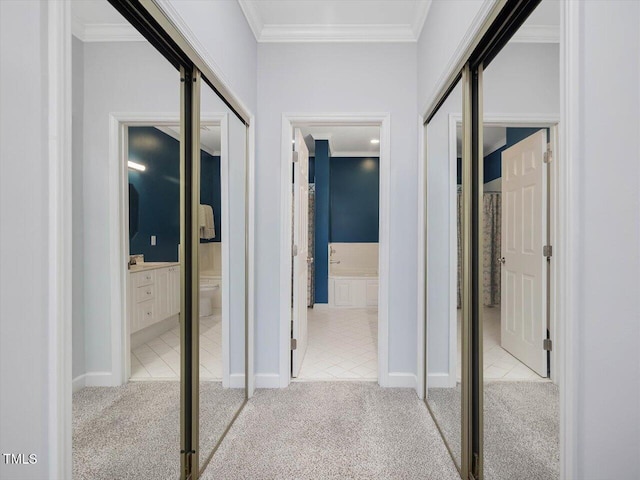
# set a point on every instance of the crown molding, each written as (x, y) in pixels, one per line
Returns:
(254, 19)
(105, 32)
(283, 33)
(422, 10)
(336, 33)
(537, 34)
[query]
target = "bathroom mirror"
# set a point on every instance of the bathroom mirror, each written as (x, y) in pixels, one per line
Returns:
(221, 265)
(444, 320)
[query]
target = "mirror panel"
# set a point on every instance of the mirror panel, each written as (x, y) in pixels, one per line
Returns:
(221, 268)
(444, 332)
(126, 264)
(520, 400)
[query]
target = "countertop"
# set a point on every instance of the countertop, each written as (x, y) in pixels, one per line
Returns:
(143, 267)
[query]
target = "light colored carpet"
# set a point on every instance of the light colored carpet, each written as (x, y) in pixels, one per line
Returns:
(521, 428)
(133, 431)
(331, 430)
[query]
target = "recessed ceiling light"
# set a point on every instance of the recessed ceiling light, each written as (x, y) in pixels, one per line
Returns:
(136, 166)
(375, 141)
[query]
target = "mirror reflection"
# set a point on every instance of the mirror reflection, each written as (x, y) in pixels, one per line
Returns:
(126, 265)
(521, 392)
(444, 337)
(221, 265)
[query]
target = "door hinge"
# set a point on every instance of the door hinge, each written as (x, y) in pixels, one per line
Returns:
(548, 155)
(547, 345)
(547, 251)
(294, 250)
(294, 344)
(295, 157)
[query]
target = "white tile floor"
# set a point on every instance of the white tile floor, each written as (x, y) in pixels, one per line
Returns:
(343, 344)
(498, 363)
(160, 358)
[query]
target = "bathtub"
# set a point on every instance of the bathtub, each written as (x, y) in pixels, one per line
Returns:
(353, 275)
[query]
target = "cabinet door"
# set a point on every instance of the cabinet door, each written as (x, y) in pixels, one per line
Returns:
(143, 315)
(174, 291)
(372, 293)
(162, 294)
(343, 293)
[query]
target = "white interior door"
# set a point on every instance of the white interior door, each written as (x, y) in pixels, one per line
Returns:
(300, 250)
(524, 231)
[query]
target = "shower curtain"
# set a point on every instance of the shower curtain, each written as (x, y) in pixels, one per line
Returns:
(311, 287)
(492, 237)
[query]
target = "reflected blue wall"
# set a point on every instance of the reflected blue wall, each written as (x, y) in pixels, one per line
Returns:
(158, 193)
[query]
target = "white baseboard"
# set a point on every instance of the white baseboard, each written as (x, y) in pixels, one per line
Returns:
(267, 380)
(236, 380)
(401, 380)
(92, 379)
(321, 306)
(440, 380)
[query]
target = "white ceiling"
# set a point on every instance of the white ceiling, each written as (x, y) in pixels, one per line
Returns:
(493, 138)
(344, 141)
(209, 137)
(314, 21)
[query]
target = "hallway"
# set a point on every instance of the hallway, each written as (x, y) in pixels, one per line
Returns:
(353, 430)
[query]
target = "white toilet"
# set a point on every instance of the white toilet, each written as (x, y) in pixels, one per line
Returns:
(209, 294)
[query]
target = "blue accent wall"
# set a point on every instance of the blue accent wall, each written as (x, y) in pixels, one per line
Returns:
(156, 193)
(322, 173)
(354, 195)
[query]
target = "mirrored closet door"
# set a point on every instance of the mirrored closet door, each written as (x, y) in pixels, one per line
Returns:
(159, 231)
(444, 148)
(127, 218)
(221, 269)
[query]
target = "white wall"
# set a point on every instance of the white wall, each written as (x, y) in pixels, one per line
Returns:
(228, 43)
(522, 80)
(332, 78)
(607, 258)
(24, 238)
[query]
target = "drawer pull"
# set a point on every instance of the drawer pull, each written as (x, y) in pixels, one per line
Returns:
(148, 292)
(148, 314)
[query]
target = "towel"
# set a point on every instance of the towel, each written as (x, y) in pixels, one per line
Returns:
(207, 226)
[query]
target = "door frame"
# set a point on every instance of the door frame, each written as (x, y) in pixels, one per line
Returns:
(289, 122)
(505, 120)
(119, 228)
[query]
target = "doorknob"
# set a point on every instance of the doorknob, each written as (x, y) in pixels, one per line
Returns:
(502, 260)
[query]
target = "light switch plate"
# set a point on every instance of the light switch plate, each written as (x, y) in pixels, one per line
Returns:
(153, 240)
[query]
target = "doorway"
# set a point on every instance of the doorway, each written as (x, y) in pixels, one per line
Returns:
(335, 264)
(335, 287)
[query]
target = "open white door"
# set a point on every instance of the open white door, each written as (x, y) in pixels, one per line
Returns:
(300, 250)
(524, 232)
